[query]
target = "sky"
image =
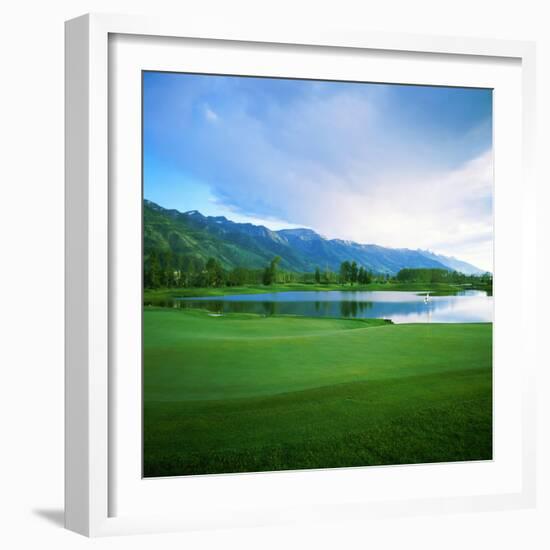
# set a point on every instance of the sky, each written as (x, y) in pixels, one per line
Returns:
(394, 165)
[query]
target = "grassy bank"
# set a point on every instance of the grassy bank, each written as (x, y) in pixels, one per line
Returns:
(246, 393)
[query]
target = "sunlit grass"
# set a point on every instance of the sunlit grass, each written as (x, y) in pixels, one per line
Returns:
(246, 393)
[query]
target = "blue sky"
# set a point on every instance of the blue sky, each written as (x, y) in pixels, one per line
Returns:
(395, 165)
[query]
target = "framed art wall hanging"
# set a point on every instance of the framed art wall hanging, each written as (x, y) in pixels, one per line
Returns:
(296, 283)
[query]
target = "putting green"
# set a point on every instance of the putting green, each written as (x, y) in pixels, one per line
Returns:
(247, 393)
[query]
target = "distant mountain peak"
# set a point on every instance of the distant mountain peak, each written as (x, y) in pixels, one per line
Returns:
(300, 249)
(219, 218)
(194, 213)
(452, 263)
(300, 232)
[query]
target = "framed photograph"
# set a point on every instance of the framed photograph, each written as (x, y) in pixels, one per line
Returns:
(297, 283)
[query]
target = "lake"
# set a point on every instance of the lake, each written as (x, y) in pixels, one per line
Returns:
(469, 306)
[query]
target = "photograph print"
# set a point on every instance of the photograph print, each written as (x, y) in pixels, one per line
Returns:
(317, 274)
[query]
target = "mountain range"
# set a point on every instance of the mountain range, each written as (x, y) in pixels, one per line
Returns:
(254, 246)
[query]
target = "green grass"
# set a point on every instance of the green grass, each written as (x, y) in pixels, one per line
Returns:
(243, 393)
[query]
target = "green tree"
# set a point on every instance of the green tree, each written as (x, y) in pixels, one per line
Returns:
(353, 272)
(154, 270)
(317, 275)
(345, 272)
(270, 272)
(215, 273)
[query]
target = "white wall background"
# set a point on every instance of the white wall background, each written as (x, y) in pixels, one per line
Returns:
(31, 268)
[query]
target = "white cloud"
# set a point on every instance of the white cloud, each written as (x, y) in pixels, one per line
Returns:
(449, 212)
(210, 115)
(340, 165)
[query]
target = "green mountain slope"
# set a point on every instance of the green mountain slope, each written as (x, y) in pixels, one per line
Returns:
(165, 230)
(246, 245)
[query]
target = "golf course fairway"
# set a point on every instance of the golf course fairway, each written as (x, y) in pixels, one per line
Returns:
(246, 393)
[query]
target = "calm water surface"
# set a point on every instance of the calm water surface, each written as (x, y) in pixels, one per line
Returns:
(470, 306)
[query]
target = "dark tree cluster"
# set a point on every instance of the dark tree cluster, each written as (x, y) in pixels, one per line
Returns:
(167, 270)
(270, 272)
(423, 275)
(351, 273)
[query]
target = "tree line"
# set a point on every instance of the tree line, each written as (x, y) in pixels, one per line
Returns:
(168, 270)
(438, 275)
(165, 269)
(351, 273)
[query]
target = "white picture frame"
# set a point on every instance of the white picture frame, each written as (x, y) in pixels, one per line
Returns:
(93, 231)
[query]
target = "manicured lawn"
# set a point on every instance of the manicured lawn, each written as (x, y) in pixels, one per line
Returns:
(247, 393)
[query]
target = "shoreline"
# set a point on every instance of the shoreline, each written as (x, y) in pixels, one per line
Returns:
(435, 289)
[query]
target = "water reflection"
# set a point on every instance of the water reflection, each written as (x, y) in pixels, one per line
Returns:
(401, 307)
